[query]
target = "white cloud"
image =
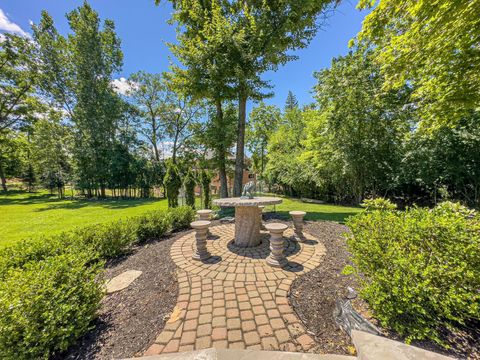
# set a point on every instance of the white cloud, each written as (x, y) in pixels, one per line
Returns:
(122, 86)
(8, 26)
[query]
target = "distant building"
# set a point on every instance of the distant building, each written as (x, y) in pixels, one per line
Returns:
(248, 175)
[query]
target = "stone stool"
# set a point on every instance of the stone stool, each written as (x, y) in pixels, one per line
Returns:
(201, 228)
(260, 212)
(205, 215)
(277, 245)
(297, 217)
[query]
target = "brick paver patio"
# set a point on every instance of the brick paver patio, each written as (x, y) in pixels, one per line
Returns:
(235, 299)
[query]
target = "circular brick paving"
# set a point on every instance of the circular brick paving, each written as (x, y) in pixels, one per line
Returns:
(235, 299)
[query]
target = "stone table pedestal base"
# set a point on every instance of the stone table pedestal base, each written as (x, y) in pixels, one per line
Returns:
(247, 226)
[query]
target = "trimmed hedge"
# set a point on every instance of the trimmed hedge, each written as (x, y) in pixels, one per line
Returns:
(419, 269)
(51, 287)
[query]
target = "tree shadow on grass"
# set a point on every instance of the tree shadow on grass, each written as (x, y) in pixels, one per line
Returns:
(339, 217)
(9, 198)
(106, 203)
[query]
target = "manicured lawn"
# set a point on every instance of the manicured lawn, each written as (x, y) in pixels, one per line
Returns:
(24, 215)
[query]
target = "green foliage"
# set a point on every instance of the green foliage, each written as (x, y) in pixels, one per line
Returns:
(434, 47)
(419, 269)
(378, 204)
(263, 122)
(50, 287)
(189, 183)
(205, 180)
(46, 305)
(152, 225)
(109, 239)
(180, 218)
(172, 183)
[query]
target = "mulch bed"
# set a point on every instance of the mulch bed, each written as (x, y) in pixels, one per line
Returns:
(130, 319)
(314, 295)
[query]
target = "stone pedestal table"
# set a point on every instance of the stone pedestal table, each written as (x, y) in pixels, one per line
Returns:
(247, 221)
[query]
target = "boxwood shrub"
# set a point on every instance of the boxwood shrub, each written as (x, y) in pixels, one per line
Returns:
(45, 305)
(419, 269)
(51, 287)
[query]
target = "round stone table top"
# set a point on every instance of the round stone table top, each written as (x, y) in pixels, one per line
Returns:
(256, 201)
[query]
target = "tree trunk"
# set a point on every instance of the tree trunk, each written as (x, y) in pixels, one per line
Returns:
(240, 155)
(2, 177)
(222, 171)
(154, 139)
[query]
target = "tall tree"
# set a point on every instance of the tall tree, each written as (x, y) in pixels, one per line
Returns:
(356, 142)
(260, 35)
(180, 114)
(18, 76)
(80, 71)
(52, 142)
(148, 94)
(218, 136)
(263, 122)
(431, 45)
(291, 102)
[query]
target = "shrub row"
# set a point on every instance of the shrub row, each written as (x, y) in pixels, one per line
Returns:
(51, 287)
(419, 269)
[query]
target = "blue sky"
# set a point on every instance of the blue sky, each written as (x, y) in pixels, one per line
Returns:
(143, 29)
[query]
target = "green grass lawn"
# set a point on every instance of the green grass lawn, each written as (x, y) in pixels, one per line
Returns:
(24, 215)
(315, 212)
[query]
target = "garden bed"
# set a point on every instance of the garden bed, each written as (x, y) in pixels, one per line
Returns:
(129, 320)
(313, 297)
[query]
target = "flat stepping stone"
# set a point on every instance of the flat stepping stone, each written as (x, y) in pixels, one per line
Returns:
(233, 354)
(122, 281)
(373, 347)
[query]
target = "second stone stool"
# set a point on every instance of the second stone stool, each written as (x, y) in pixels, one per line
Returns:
(297, 217)
(277, 245)
(205, 215)
(201, 228)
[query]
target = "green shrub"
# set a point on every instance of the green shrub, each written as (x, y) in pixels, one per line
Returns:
(189, 184)
(205, 180)
(173, 183)
(46, 305)
(37, 249)
(152, 225)
(49, 286)
(109, 239)
(419, 269)
(181, 217)
(378, 204)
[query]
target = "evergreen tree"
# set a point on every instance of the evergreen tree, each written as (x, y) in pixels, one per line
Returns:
(173, 184)
(291, 102)
(189, 185)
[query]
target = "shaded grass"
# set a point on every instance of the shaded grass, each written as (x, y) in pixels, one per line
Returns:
(315, 212)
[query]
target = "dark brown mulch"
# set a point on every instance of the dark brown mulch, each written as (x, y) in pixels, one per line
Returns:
(313, 297)
(130, 319)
